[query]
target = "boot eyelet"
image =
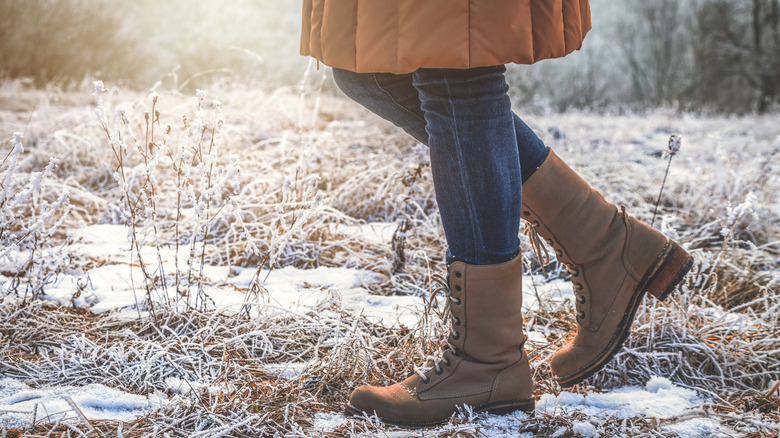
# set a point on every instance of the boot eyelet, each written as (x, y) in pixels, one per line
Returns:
(458, 288)
(581, 314)
(456, 335)
(458, 274)
(535, 224)
(439, 372)
(446, 362)
(549, 241)
(526, 213)
(456, 321)
(455, 352)
(578, 286)
(559, 253)
(426, 379)
(581, 299)
(456, 300)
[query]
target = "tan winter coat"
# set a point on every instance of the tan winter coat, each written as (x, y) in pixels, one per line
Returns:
(400, 36)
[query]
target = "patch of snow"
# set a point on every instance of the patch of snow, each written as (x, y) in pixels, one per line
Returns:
(697, 427)
(116, 286)
(184, 386)
(660, 398)
(21, 404)
(328, 423)
(291, 280)
(584, 428)
(380, 233)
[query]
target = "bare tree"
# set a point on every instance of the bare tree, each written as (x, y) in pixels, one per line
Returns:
(737, 53)
(652, 43)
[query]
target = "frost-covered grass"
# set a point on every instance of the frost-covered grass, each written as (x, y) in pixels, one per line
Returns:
(233, 263)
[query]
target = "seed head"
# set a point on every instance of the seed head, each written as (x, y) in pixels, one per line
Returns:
(675, 141)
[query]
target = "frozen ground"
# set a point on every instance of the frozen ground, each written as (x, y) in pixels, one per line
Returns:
(95, 336)
(109, 289)
(675, 409)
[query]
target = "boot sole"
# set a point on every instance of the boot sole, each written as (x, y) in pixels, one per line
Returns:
(499, 408)
(669, 269)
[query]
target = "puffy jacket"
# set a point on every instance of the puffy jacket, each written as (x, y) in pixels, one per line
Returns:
(400, 36)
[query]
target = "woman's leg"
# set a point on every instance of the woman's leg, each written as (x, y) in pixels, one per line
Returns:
(477, 179)
(474, 161)
(394, 98)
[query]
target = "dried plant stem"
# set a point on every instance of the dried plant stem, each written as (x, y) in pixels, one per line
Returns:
(663, 183)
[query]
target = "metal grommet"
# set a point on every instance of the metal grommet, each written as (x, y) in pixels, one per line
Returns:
(581, 314)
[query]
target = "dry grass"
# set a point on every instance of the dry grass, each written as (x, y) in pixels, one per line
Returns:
(265, 179)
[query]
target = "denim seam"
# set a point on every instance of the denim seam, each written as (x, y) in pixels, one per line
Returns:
(392, 98)
(472, 216)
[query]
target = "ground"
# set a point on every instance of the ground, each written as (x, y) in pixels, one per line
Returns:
(232, 262)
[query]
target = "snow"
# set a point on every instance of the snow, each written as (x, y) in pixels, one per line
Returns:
(112, 286)
(552, 293)
(183, 386)
(372, 232)
(584, 428)
(20, 404)
(659, 399)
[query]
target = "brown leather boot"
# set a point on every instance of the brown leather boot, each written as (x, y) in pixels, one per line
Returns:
(484, 365)
(613, 258)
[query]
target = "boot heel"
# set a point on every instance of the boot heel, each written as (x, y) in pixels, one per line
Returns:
(674, 262)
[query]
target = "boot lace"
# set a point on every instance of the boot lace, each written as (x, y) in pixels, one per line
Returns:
(537, 244)
(540, 250)
(435, 361)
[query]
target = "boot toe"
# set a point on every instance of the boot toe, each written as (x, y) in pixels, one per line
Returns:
(568, 360)
(365, 399)
(393, 404)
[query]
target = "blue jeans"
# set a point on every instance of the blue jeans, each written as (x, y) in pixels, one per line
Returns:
(481, 152)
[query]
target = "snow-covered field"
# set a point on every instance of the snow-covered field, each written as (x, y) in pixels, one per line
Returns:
(233, 263)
